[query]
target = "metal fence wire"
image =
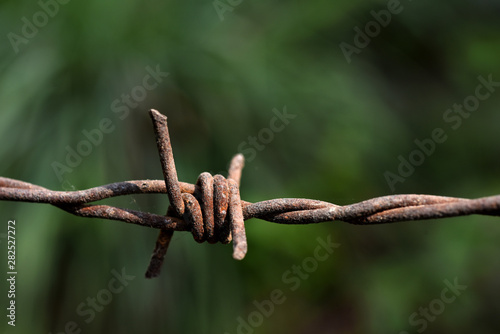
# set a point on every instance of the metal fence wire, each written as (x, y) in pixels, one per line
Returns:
(212, 209)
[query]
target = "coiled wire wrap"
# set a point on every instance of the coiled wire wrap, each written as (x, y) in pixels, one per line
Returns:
(215, 213)
(213, 225)
(214, 209)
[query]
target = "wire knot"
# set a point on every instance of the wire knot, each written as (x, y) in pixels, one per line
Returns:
(214, 211)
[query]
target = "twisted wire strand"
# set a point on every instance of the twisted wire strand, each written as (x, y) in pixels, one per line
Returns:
(379, 210)
(213, 211)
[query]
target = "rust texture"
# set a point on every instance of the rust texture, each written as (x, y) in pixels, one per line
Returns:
(159, 253)
(167, 161)
(212, 209)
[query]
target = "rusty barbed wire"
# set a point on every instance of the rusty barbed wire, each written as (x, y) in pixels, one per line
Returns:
(213, 211)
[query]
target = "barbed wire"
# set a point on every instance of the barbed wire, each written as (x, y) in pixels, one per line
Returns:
(212, 209)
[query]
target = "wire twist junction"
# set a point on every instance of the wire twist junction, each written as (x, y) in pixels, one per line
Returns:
(201, 208)
(213, 210)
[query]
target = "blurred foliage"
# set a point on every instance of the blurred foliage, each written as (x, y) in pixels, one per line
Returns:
(352, 122)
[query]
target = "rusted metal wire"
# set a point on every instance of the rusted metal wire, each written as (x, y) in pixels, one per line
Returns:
(212, 209)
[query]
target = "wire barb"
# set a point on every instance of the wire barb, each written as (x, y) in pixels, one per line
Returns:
(197, 209)
(213, 211)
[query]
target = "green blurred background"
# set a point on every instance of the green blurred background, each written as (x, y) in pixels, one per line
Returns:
(230, 65)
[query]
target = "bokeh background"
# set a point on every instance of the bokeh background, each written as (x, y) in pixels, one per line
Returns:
(229, 65)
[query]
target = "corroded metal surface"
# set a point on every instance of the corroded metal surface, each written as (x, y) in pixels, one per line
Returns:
(213, 211)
